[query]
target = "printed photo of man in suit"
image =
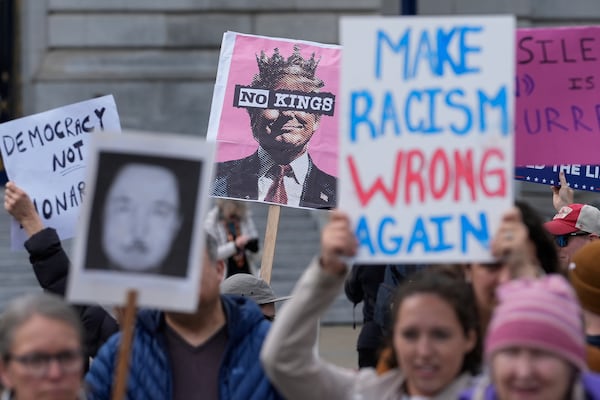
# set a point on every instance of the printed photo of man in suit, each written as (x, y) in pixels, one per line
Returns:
(281, 171)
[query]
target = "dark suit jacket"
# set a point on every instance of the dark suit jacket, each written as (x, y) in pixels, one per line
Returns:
(239, 179)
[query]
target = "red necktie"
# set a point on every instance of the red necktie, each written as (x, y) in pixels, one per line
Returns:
(276, 193)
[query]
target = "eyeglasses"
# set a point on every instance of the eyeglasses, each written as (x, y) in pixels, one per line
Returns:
(269, 317)
(38, 364)
(563, 240)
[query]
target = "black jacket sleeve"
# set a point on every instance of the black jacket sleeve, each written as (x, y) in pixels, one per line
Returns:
(49, 260)
(353, 285)
(51, 267)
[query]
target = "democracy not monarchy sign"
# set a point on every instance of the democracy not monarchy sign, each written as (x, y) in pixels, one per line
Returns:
(426, 158)
(45, 155)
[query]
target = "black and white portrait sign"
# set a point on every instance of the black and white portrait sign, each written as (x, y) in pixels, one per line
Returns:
(141, 227)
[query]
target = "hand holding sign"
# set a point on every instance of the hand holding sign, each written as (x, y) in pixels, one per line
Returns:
(337, 241)
(45, 154)
(562, 195)
(19, 205)
(511, 246)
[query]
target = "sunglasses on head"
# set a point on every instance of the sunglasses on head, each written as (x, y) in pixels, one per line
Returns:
(563, 240)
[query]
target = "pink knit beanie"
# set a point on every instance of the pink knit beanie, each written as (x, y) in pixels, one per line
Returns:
(542, 314)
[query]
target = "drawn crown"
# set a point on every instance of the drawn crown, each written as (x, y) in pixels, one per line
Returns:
(272, 67)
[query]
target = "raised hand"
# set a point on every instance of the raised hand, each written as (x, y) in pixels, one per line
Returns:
(337, 243)
(18, 204)
(563, 195)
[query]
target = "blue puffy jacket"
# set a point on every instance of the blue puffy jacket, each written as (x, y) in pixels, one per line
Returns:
(241, 376)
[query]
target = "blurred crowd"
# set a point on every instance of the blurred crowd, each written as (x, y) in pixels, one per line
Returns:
(525, 326)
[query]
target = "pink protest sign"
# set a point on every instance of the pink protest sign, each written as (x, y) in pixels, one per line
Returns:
(558, 102)
(274, 112)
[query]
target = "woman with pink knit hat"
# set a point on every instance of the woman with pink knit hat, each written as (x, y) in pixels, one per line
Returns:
(535, 346)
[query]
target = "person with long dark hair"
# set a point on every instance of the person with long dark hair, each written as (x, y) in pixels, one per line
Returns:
(521, 247)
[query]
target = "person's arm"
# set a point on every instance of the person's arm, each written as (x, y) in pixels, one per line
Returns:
(288, 354)
(353, 287)
(562, 195)
(226, 250)
(99, 325)
(51, 266)
(18, 204)
(511, 246)
(50, 262)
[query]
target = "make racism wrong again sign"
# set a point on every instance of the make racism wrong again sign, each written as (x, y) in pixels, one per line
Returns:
(426, 158)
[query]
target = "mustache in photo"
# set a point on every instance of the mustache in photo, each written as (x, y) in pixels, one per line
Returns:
(137, 246)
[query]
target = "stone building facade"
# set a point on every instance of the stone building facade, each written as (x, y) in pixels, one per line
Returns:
(159, 59)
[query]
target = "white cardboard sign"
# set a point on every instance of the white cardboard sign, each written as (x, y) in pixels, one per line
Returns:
(426, 159)
(45, 154)
(142, 223)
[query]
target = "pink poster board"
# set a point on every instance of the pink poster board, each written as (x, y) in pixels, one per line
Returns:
(229, 123)
(558, 101)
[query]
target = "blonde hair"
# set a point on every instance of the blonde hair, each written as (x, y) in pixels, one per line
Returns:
(21, 309)
(231, 207)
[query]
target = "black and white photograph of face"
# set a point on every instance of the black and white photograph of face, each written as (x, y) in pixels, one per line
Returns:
(141, 217)
(140, 212)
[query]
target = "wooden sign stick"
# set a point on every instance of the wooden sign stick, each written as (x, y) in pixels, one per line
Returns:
(127, 328)
(266, 266)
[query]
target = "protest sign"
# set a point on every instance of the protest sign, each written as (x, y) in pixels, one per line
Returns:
(580, 177)
(142, 227)
(558, 102)
(45, 155)
(3, 177)
(426, 152)
(279, 94)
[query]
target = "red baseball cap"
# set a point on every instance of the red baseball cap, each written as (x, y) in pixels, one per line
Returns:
(575, 218)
